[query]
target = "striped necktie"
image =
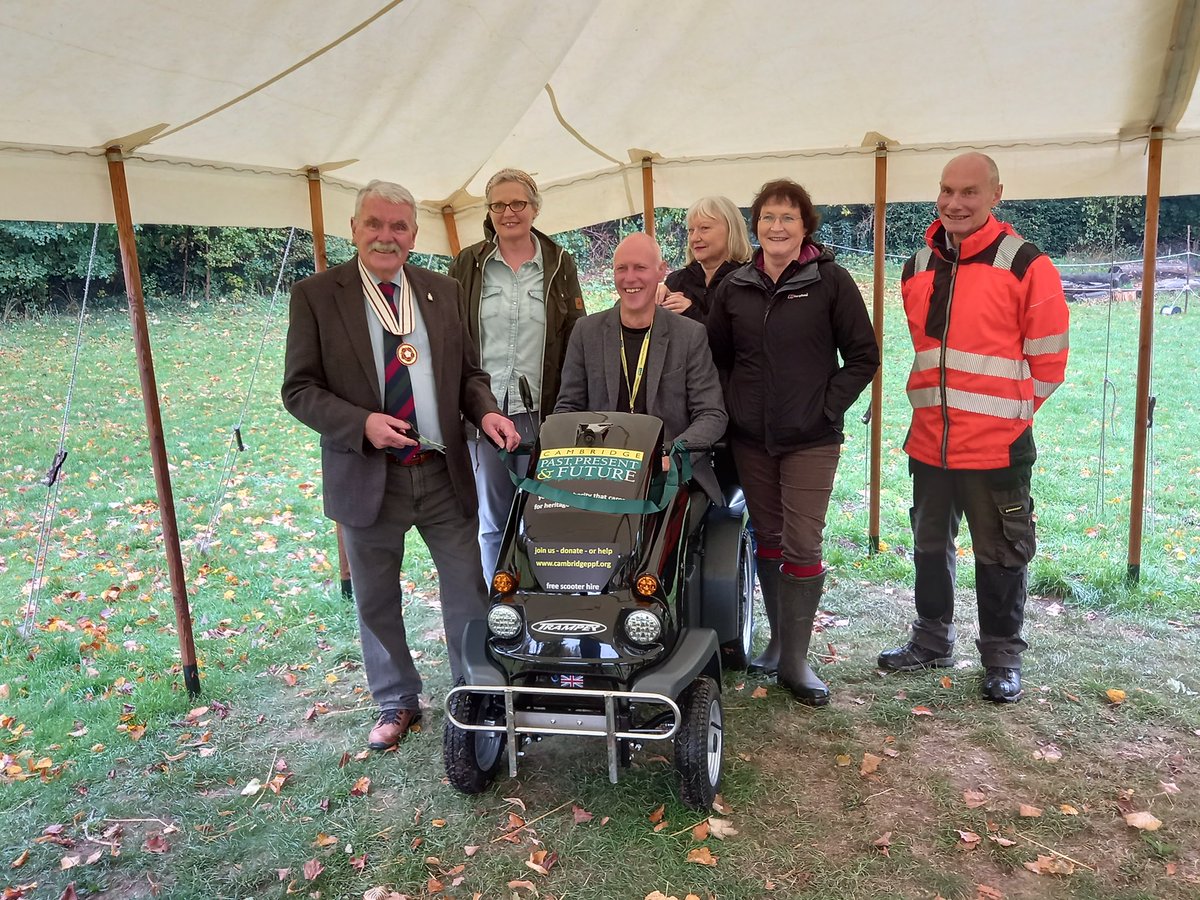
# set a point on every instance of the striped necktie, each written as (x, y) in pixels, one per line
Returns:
(397, 384)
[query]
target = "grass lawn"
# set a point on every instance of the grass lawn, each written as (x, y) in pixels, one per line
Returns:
(112, 780)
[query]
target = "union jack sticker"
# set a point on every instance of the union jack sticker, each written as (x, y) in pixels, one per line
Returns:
(570, 681)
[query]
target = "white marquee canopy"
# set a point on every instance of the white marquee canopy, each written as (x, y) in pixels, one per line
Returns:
(221, 106)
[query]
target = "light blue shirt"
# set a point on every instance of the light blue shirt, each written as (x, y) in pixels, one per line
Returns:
(512, 327)
(421, 372)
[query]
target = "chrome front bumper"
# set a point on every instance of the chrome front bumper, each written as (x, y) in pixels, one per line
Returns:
(524, 722)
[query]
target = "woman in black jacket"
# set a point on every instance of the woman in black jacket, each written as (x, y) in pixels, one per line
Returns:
(792, 340)
(717, 244)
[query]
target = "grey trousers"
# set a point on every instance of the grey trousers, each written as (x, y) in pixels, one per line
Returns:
(999, 512)
(496, 491)
(420, 496)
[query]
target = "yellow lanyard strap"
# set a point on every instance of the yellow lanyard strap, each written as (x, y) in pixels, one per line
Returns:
(641, 364)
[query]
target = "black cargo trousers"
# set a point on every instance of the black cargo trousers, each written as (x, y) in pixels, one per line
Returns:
(999, 511)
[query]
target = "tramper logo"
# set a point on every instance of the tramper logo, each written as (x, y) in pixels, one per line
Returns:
(568, 627)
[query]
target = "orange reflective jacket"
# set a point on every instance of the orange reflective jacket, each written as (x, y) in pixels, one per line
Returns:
(989, 327)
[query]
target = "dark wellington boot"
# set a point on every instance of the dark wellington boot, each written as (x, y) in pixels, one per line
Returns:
(798, 601)
(767, 662)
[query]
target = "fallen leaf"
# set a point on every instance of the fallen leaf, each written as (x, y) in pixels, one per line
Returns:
(719, 805)
(659, 895)
(1143, 821)
(20, 860)
(1115, 696)
(968, 840)
(700, 831)
(434, 886)
(68, 862)
(947, 682)
(312, 869)
(986, 892)
(358, 862)
(1068, 810)
(253, 786)
(758, 693)
(517, 802)
(974, 799)
(1002, 841)
(657, 815)
(1050, 753)
(721, 828)
(438, 823)
(884, 843)
(324, 840)
(870, 763)
(922, 711)
(581, 815)
(283, 874)
(1050, 865)
(361, 788)
(542, 861)
(155, 843)
(67, 894)
(661, 825)
(1169, 787)
(1029, 812)
(527, 885)
(842, 760)
(470, 850)
(702, 856)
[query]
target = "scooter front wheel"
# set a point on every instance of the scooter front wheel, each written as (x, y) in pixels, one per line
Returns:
(700, 743)
(472, 758)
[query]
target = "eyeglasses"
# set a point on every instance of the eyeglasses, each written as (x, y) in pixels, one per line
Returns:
(786, 221)
(515, 206)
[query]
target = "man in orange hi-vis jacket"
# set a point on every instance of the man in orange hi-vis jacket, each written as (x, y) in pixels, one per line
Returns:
(989, 326)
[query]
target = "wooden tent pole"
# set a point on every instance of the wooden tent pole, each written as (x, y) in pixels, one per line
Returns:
(648, 194)
(451, 230)
(881, 161)
(1141, 414)
(154, 427)
(320, 264)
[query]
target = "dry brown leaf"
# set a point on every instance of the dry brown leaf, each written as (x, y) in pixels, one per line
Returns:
(312, 869)
(1002, 841)
(758, 693)
(324, 840)
(719, 805)
(1029, 812)
(1050, 865)
(518, 883)
(700, 831)
(947, 682)
(842, 760)
(581, 815)
(968, 840)
(1169, 787)
(358, 863)
(702, 856)
(514, 821)
(870, 763)
(974, 799)
(20, 860)
(721, 828)
(433, 886)
(1143, 821)
(657, 815)
(361, 788)
(1050, 753)
(438, 823)
(155, 843)
(1068, 810)
(661, 825)
(517, 802)
(987, 892)
(1115, 697)
(68, 862)
(67, 894)
(542, 861)
(922, 711)
(470, 850)
(884, 843)
(659, 895)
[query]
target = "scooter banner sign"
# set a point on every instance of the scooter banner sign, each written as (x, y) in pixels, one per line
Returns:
(580, 568)
(589, 464)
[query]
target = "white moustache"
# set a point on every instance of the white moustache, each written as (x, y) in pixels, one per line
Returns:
(385, 247)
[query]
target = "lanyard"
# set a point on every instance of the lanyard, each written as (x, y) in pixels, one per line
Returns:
(400, 322)
(641, 364)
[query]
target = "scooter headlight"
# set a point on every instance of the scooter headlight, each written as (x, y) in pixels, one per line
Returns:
(504, 621)
(643, 626)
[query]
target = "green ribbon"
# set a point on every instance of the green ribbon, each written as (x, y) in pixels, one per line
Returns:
(679, 472)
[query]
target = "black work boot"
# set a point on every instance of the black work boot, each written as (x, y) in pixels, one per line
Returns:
(1002, 684)
(767, 662)
(911, 657)
(798, 601)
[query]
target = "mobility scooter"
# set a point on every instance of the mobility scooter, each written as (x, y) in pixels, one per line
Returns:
(619, 596)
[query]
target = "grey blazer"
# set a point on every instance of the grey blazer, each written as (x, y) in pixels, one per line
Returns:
(681, 385)
(331, 385)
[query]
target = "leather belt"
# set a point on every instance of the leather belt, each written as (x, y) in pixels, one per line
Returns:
(418, 459)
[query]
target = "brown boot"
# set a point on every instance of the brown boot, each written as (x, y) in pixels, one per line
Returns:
(798, 601)
(393, 724)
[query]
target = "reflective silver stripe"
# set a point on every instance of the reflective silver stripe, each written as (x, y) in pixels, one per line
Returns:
(967, 401)
(1044, 389)
(1007, 252)
(921, 260)
(1051, 343)
(973, 363)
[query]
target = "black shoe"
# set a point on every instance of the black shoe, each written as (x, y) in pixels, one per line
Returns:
(1002, 684)
(912, 657)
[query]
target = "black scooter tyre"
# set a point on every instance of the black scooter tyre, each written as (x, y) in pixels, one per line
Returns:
(472, 758)
(699, 743)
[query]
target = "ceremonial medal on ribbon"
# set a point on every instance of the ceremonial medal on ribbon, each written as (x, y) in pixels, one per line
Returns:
(406, 353)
